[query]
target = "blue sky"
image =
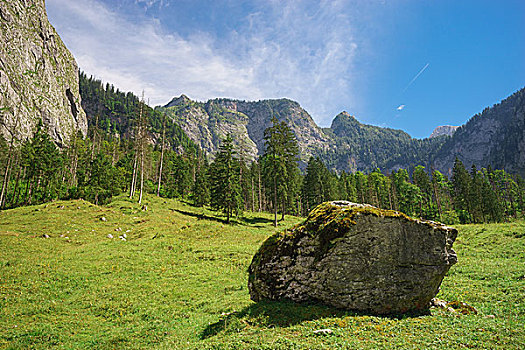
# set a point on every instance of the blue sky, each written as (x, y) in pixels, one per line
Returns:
(405, 64)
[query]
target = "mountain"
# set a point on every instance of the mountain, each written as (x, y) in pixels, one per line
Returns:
(347, 145)
(447, 130)
(495, 137)
(38, 75)
(360, 147)
(207, 123)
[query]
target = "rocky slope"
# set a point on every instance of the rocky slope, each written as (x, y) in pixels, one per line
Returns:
(496, 137)
(347, 145)
(444, 130)
(38, 75)
(208, 123)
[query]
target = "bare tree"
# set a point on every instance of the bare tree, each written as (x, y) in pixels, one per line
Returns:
(161, 154)
(10, 156)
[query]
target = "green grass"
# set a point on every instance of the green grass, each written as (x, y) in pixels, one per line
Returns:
(180, 282)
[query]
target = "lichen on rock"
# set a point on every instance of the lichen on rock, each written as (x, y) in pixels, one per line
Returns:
(355, 257)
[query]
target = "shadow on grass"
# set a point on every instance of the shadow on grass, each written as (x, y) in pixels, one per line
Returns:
(255, 220)
(200, 216)
(270, 314)
(233, 221)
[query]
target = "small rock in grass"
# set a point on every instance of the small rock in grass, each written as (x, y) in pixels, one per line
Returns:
(62, 236)
(326, 331)
(435, 302)
(78, 207)
(451, 310)
(61, 207)
(45, 236)
(122, 238)
(128, 230)
(109, 235)
(118, 229)
(125, 235)
(103, 219)
(462, 307)
(490, 316)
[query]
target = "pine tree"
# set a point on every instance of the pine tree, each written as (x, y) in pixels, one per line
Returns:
(460, 184)
(280, 165)
(224, 180)
(201, 190)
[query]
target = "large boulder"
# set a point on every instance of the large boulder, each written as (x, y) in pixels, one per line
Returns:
(355, 257)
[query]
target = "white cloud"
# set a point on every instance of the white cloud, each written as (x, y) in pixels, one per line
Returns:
(295, 50)
(401, 107)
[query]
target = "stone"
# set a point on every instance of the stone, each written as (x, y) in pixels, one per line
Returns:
(326, 331)
(45, 236)
(355, 257)
(103, 219)
(109, 235)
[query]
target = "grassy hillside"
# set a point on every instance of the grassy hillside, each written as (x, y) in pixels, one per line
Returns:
(179, 281)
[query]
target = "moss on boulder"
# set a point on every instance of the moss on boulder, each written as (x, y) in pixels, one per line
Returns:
(357, 257)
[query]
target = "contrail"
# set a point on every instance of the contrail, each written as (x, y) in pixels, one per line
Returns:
(417, 76)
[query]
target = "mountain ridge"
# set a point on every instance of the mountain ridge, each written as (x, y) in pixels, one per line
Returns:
(348, 144)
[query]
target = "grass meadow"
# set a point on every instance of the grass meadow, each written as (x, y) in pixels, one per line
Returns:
(179, 281)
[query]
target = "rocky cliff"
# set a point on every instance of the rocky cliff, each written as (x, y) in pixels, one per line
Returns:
(444, 130)
(208, 123)
(496, 137)
(38, 75)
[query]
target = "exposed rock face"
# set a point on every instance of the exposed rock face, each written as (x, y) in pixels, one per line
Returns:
(355, 257)
(208, 123)
(38, 75)
(442, 130)
(495, 137)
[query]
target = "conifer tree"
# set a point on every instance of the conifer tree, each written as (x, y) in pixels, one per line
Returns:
(224, 180)
(201, 190)
(280, 165)
(460, 184)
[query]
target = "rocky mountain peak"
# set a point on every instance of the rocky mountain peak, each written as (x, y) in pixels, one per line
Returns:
(179, 101)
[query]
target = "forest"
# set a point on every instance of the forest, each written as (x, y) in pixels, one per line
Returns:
(133, 148)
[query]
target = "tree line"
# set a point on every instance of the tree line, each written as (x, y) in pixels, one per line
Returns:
(274, 183)
(153, 155)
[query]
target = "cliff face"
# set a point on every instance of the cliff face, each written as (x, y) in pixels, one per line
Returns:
(447, 130)
(38, 75)
(496, 137)
(208, 123)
